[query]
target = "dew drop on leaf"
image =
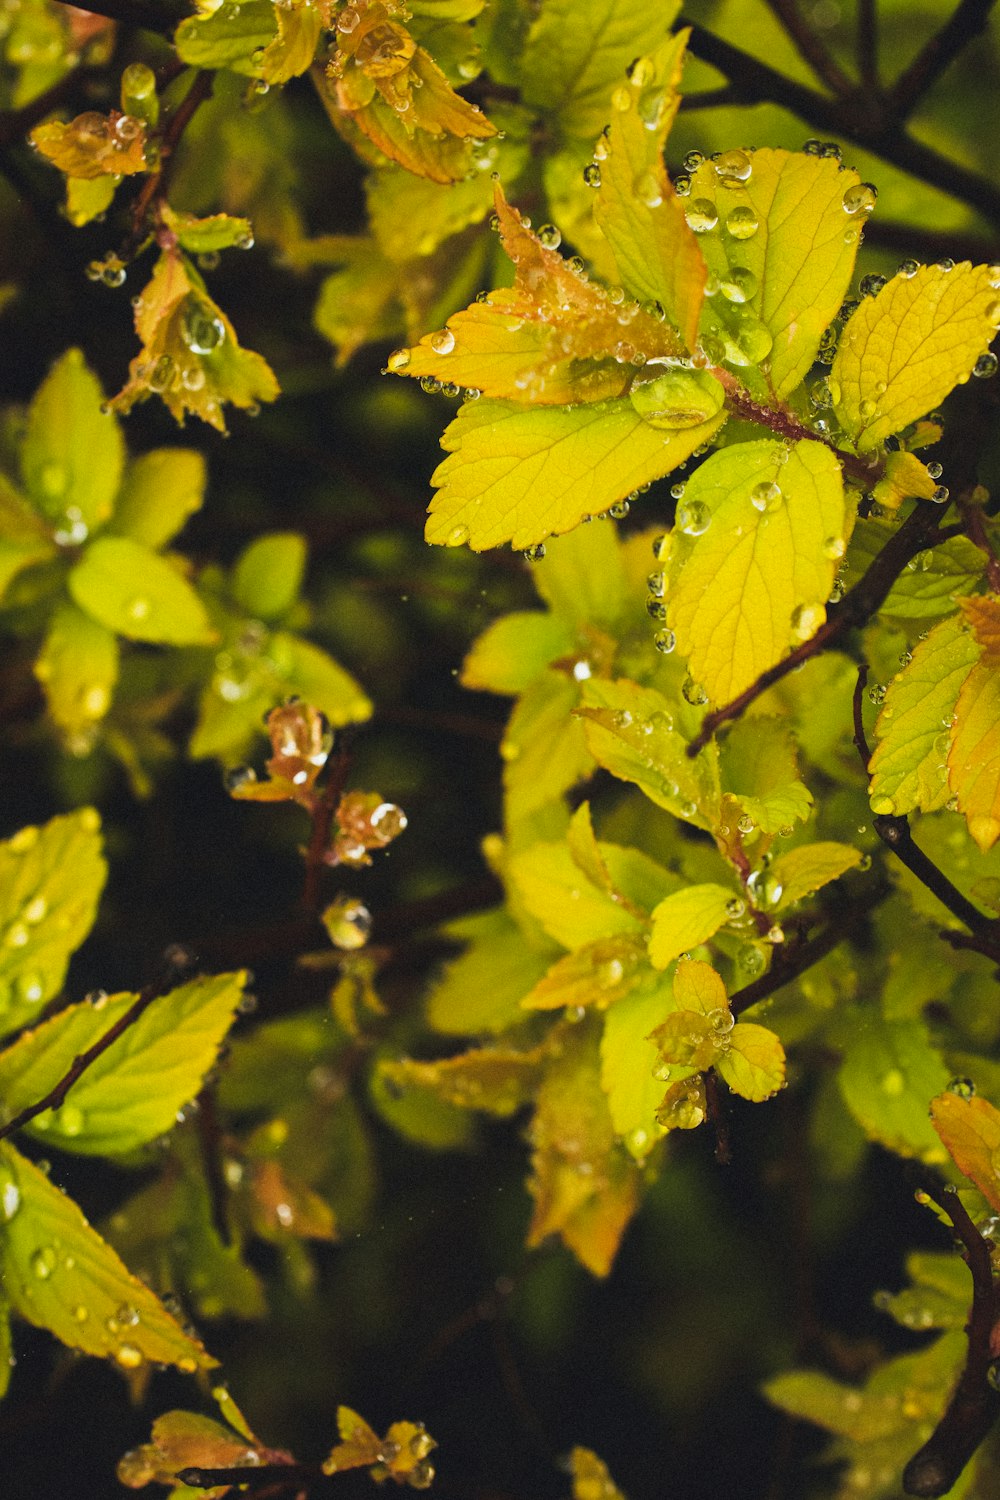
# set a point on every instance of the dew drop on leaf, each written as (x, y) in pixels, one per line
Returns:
(733, 168)
(665, 641)
(701, 215)
(442, 342)
(766, 496)
(860, 198)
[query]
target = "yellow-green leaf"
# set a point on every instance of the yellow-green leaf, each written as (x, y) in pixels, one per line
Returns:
(687, 918)
(786, 277)
(517, 475)
(640, 215)
(138, 594)
(227, 37)
(268, 574)
(512, 651)
(906, 348)
(60, 1275)
(570, 907)
(360, 301)
(598, 974)
(591, 1477)
(752, 575)
(582, 575)
(699, 987)
(203, 236)
(78, 668)
(544, 747)
(132, 1092)
(628, 1058)
(753, 1064)
(909, 766)
(321, 681)
(51, 879)
(482, 989)
(160, 490)
(94, 145)
(497, 1080)
(974, 757)
(73, 453)
(631, 732)
(888, 1077)
(577, 51)
(801, 871)
(970, 1128)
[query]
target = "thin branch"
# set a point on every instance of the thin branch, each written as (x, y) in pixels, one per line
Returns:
(322, 822)
(177, 961)
(867, 44)
(919, 531)
(860, 117)
(155, 186)
(275, 1476)
(964, 24)
(810, 46)
(860, 741)
(791, 961)
(716, 1106)
(974, 1404)
(719, 98)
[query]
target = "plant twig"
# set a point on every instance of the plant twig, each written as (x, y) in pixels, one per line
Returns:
(964, 24)
(810, 46)
(858, 117)
(918, 532)
(716, 1107)
(322, 822)
(155, 186)
(177, 961)
(974, 1404)
(276, 1476)
(793, 960)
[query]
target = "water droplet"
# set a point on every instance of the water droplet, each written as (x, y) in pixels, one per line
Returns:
(30, 988)
(348, 922)
(694, 693)
(549, 236)
(36, 910)
(43, 1262)
(592, 175)
(963, 1087)
(398, 360)
(876, 693)
(664, 641)
(621, 100)
(693, 517)
(742, 223)
(860, 199)
(442, 342)
(535, 553)
(701, 215)
(739, 286)
(201, 330)
(10, 1195)
(457, 536)
(766, 496)
(985, 367)
(870, 286)
(733, 168)
(17, 935)
(893, 1083)
(128, 1356)
(745, 823)
(806, 620)
(940, 495)
(137, 609)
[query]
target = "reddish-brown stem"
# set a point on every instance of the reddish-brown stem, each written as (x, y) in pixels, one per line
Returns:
(867, 44)
(966, 21)
(177, 961)
(974, 1404)
(918, 532)
(155, 186)
(716, 1106)
(264, 1479)
(322, 822)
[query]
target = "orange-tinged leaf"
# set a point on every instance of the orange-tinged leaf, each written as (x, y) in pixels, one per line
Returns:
(94, 145)
(552, 338)
(597, 974)
(190, 355)
(687, 918)
(359, 1445)
(688, 1039)
(185, 1439)
(974, 757)
(906, 348)
(584, 1186)
(637, 209)
(970, 1130)
(753, 1065)
(519, 475)
(699, 987)
(497, 1080)
(401, 1455)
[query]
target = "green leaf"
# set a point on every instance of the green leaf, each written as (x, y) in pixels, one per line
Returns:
(930, 582)
(227, 37)
(204, 236)
(60, 1275)
(417, 1112)
(73, 452)
(496, 1080)
(939, 1299)
(789, 275)
(687, 918)
(906, 348)
(544, 748)
(576, 53)
(754, 579)
(795, 875)
(319, 680)
(597, 974)
(759, 768)
(631, 733)
(974, 757)
(640, 215)
(268, 574)
(753, 1064)
(628, 1059)
(513, 651)
(161, 489)
(571, 908)
(909, 766)
(78, 668)
(482, 989)
(582, 575)
(133, 1091)
(519, 475)
(51, 879)
(138, 594)
(888, 1077)
(359, 302)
